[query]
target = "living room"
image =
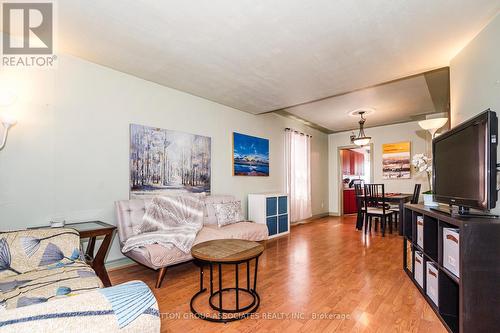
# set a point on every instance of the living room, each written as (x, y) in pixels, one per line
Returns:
(246, 108)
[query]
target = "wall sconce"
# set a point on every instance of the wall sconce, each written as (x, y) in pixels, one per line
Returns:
(7, 123)
(7, 98)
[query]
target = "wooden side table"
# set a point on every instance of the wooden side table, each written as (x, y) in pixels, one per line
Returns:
(92, 230)
(227, 252)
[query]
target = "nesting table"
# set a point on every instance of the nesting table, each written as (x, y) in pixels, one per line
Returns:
(227, 252)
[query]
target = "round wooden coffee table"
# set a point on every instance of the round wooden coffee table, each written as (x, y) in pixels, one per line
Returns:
(227, 252)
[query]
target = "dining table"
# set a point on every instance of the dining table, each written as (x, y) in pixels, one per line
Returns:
(399, 198)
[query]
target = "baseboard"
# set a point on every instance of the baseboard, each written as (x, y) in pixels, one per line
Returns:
(312, 218)
(333, 214)
(119, 263)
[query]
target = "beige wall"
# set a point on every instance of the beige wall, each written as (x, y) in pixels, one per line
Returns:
(475, 77)
(68, 155)
(420, 143)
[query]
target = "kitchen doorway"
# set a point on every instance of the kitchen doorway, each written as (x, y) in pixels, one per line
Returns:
(355, 167)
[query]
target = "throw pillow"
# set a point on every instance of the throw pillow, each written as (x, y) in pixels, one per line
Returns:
(228, 213)
(209, 210)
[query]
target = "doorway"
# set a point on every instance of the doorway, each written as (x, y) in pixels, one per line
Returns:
(355, 167)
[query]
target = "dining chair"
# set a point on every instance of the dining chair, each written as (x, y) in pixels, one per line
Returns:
(358, 192)
(414, 200)
(376, 206)
(416, 194)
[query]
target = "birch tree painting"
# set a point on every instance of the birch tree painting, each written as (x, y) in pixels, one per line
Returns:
(167, 162)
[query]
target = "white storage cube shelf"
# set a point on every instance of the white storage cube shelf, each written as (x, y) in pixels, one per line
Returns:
(419, 268)
(451, 252)
(432, 284)
(420, 231)
(270, 209)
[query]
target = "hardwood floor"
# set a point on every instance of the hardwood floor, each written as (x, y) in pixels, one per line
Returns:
(323, 268)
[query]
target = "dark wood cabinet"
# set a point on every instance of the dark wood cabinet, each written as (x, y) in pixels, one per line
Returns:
(346, 162)
(359, 164)
(352, 163)
(469, 302)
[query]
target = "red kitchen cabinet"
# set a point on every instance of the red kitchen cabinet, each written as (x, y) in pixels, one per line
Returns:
(346, 162)
(352, 163)
(350, 206)
(359, 164)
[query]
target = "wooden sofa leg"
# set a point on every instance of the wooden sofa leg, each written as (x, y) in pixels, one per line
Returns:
(161, 275)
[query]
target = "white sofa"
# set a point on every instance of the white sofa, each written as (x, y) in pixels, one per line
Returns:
(130, 213)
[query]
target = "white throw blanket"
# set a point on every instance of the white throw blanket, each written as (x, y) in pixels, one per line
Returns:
(169, 221)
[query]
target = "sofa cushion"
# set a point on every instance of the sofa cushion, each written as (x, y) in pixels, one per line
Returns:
(129, 215)
(26, 250)
(209, 217)
(98, 311)
(131, 212)
(157, 256)
(243, 230)
(47, 283)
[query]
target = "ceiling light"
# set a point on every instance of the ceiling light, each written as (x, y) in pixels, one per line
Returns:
(361, 139)
(365, 110)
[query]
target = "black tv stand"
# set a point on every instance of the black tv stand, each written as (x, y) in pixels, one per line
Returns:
(467, 303)
(464, 212)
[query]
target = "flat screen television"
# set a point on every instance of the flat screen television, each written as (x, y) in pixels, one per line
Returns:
(465, 164)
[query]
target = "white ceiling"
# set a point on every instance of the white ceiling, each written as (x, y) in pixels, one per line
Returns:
(394, 102)
(263, 55)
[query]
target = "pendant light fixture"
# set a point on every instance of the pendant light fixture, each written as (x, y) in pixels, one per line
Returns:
(361, 139)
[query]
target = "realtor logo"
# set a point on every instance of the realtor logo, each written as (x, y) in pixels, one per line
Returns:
(28, 32)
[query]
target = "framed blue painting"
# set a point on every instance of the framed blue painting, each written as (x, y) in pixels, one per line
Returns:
(250, 155)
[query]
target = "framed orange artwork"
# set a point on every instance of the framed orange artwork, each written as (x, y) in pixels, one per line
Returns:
(396, 160)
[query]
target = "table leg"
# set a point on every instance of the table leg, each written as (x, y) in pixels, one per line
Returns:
(248, 274)
(239, 312)
(400, 218)
(89, 252)
(201, 276)
(220, 290)
(359, 216)
(211, 279)
(255, 274)
(237, 291)
(383, 221)
(97, 263)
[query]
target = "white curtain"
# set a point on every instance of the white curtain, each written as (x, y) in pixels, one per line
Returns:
(298, 174)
